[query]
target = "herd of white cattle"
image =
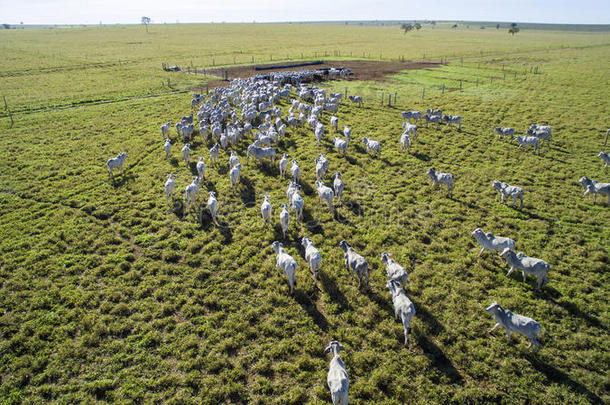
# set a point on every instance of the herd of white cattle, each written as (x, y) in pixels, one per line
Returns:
(229, 115)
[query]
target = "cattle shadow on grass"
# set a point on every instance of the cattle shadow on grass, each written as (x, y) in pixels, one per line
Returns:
(330, 288)
(354, 207)
(351, 160)
(122, 179)
(421, 156)
(434, 326)
(530, 214)
(573, 309)
(439, 360)
(173, 161)
(246, 190)
(178, 207)
(340, 218)
(193, 168)
(389, 163)
(560, 150)
(306, 188)
(466, 132)
(267, 168)
(209, 186)
(226, 232)
(359, 148)
(382, 302)
(313, 226)
(222, 169)
(310, 307)
(285, 143)
(557, 376)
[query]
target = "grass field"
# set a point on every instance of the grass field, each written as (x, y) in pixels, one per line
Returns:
(108, 296)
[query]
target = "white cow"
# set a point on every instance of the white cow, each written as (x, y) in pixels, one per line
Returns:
(118, 161)
(515, 323)
(441, 178)
(312, 256)
(287, 263)
(337, 379)
(266, 210)
(167, 146)
(191, 192)
(170, 187)
(506, 189)
(186, 153)
(201, 168)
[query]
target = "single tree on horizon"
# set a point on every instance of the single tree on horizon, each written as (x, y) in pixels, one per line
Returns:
(146, 21)
(513, 29)
(406, 27)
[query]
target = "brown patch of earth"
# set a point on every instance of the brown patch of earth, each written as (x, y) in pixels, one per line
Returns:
(361, 69)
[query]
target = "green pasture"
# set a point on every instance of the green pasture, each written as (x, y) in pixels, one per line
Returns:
(106, 295)
(54, 67)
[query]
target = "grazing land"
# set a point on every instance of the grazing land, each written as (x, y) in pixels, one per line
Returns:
(107, 295)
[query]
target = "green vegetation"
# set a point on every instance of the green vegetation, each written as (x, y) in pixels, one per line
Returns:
(107, 295)
(62, 66)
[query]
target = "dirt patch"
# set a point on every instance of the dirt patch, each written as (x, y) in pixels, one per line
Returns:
(361, 69)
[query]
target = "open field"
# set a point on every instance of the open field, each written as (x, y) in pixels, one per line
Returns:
(62, 66)
(106, 295)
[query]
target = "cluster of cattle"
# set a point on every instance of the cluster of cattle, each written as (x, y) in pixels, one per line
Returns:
(251, 108)
(304, 75)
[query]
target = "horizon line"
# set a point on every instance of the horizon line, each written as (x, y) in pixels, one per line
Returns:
(397, 21)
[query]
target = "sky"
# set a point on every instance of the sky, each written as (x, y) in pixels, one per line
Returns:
(190, 11)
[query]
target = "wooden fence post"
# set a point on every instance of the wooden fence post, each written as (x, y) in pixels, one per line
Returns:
(423, 93)
(10, 115)
(460, 85)
(477, 82)
(381, 98)
(395, 94)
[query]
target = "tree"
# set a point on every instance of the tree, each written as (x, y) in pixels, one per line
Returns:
(406, 27)
(146, 21)
(513, 30)
(497, 26)
(513, 25)
(417, 26)
(6, 26)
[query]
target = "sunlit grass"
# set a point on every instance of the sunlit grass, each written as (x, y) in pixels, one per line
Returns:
(107, 295)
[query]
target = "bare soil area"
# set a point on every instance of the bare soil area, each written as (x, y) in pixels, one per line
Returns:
(361, 69)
